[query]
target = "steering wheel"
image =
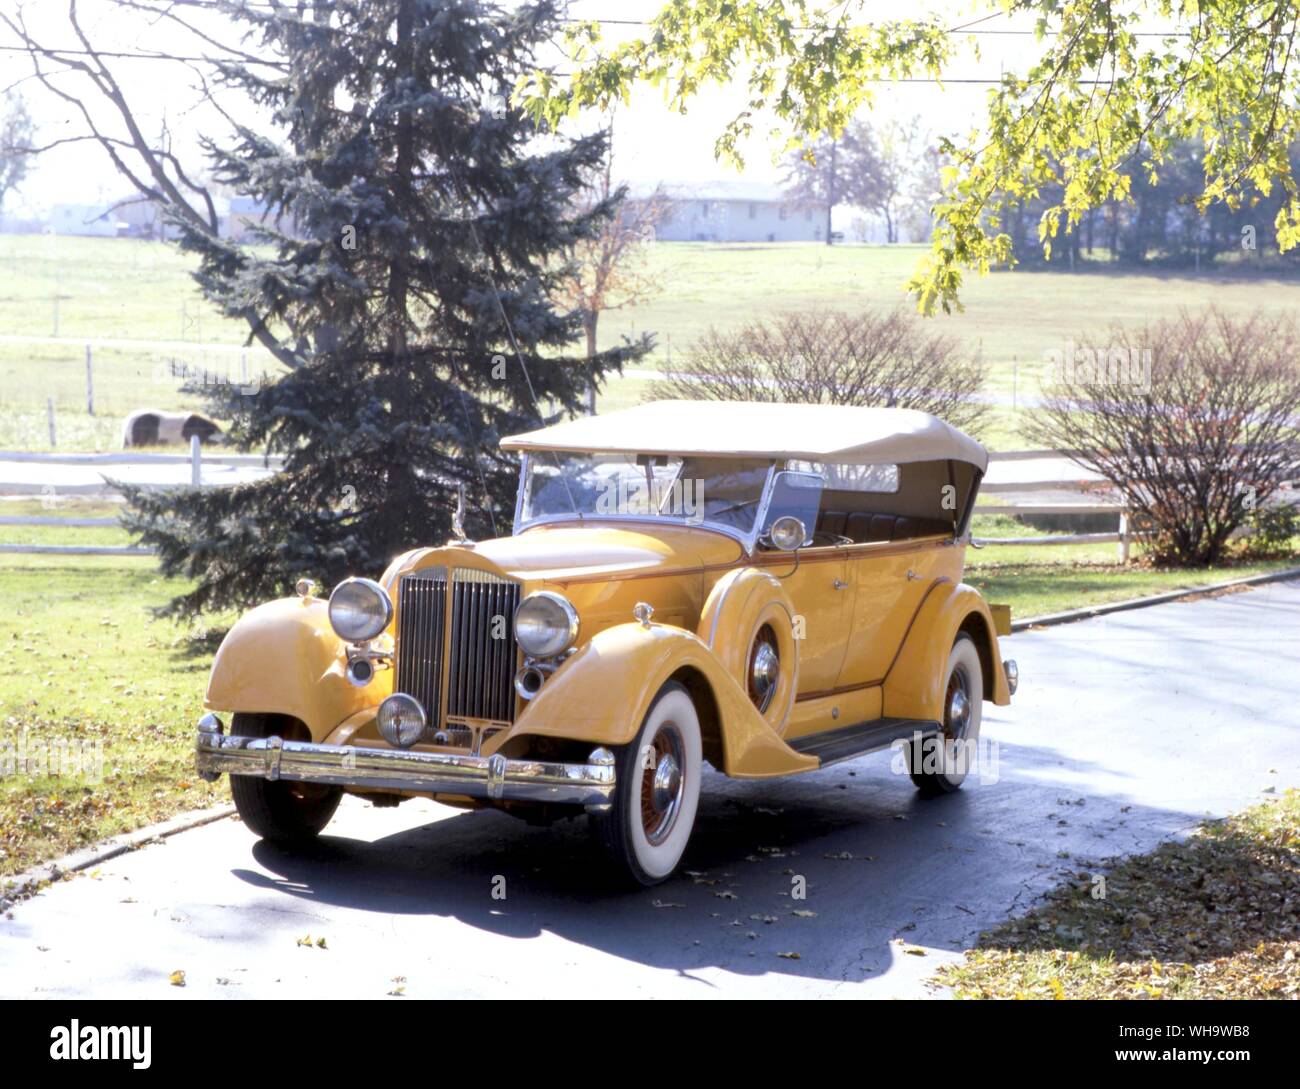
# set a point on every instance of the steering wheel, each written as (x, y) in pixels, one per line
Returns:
(735, 506)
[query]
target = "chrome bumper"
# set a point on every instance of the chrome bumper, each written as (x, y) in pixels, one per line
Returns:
(1012, 672)
(494, 777)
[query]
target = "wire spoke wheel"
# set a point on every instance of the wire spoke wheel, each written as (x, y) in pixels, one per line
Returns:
(663, 782)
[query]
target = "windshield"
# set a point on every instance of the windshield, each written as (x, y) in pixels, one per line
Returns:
(719, 491)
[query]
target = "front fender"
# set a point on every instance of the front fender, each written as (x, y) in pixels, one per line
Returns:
(914, 685)
(602, 693)
(284, 658)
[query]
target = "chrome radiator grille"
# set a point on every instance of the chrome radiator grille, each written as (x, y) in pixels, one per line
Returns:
(421, 633)
(481, 673)
(480, 653)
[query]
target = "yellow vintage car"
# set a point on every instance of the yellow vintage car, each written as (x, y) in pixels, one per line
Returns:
(770, 588)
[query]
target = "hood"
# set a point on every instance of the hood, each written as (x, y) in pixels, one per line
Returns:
(560, 552)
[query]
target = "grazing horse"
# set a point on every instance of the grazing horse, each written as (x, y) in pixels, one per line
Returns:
(150, 427)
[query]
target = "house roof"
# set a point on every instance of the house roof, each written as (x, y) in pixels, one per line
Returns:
(839, 433)
(738, 190)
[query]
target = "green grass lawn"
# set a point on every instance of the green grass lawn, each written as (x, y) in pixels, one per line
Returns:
(1039, 586)
(88, 663)
(129, 289)
(65, 507)
(1037, 580)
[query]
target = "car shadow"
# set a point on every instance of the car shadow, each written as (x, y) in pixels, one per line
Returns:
(833, 875)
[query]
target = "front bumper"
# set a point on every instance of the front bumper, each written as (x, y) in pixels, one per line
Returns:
(495, 777)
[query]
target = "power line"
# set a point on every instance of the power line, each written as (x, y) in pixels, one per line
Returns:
(123, 55)
(963, 28)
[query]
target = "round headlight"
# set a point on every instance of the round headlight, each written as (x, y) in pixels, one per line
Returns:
(545, 624)
(359, 610)
(788, 533)
(401, 720)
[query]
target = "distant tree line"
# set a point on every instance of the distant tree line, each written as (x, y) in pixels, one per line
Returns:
(892, 171)
(1160, 225)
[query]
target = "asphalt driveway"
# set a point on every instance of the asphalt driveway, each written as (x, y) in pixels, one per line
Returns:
(1128, 729)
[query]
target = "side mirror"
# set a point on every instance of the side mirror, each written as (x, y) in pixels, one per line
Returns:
(788, 533)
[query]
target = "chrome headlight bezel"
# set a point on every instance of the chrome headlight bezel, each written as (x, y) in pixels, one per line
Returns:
(345, 596)
(554, 633)
(400, 720)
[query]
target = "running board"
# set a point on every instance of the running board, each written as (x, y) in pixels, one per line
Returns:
(847, 742)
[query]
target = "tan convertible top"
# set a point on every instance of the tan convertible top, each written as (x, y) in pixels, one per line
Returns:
(840, 433)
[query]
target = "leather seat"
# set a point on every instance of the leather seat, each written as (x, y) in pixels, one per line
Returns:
(832, 521)
(863, 526)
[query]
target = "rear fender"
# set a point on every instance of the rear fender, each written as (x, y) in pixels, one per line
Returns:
(601, 695)
(914, 686)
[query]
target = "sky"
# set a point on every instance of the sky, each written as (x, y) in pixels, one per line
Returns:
(652, 144)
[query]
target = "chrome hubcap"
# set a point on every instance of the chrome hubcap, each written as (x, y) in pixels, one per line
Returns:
(958, 707)
(764, 670)
(668, 780)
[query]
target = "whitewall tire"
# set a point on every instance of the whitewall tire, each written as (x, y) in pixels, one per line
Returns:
(651, 817)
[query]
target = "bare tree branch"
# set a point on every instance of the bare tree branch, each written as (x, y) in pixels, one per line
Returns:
(830, 357)
(1196, 422)
(153, 170)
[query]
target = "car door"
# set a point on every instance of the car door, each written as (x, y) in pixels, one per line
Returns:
(821, 591)
(816, 578)
(889, 582)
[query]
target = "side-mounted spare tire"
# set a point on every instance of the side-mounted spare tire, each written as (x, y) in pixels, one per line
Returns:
(748, 623)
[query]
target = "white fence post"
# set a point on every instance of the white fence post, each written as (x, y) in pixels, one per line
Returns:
(196, 461)
(49, 415)
(1123, 537)
(90, 386)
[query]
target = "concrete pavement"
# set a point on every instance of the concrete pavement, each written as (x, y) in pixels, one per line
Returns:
(1127, 729)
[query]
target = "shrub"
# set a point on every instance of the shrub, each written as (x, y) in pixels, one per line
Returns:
(832, 357)
(1193, 420)
(1273, 531)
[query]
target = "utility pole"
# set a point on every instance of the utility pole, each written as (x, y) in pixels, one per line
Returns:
(830, 188)
(90, 385)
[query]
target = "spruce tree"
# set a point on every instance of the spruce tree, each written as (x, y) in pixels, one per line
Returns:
(418, 228)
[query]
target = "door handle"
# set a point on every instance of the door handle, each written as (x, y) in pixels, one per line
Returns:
(840, 585)
(912, 575)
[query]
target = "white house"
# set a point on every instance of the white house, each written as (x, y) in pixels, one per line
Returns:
(738, 211)
(85, 219)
